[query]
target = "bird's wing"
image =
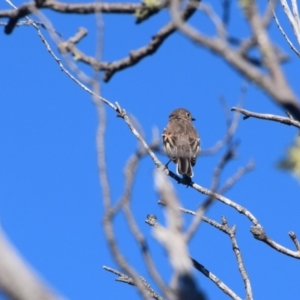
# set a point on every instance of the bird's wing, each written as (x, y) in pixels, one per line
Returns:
(169, 141)
(195, 149)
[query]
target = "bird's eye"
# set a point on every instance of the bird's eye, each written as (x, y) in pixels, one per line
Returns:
(188, 115)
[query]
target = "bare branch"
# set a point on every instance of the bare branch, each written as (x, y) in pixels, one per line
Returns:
(68, 8)
(124, 278)
(266, 20)
(232, 122)
(121, 277)
(293, 17)
(225, 159)
(220, 284)
(259, 233)
(220, 26)
(226, 201)
(235, 177)
(284, 34)
(136, 55)
(231, 232)
(232, 127)
(17, 279)
(93, 7)
(247, 114)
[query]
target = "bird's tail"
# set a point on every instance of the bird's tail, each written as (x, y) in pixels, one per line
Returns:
(184, 167)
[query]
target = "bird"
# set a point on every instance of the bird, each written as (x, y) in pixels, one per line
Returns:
(181, 141)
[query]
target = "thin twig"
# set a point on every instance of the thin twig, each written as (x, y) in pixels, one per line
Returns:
(232, 125)
(292, 16)
(231, 232)
(235, 177)
(221, 143)
(126, 279)
(247, 114)
(284, 34)
(267, 18)
(218, 22)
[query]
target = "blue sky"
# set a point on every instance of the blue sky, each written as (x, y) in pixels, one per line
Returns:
(51, 203)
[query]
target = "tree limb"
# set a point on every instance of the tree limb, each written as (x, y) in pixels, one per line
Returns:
(17, 279)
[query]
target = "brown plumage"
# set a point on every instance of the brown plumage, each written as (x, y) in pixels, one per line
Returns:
(181, 141)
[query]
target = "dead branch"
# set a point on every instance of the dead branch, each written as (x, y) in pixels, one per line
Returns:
(124, 278)
(17, 279)
(259, 233)
(287, 121)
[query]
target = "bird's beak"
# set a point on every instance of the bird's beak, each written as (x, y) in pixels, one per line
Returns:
(193, 119)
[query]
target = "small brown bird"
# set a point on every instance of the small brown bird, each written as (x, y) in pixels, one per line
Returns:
(181, 141)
